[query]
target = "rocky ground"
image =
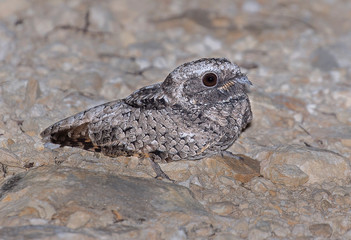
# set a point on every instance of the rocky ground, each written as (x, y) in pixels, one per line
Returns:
(61, 57)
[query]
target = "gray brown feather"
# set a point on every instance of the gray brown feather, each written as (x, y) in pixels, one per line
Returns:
(180, 118)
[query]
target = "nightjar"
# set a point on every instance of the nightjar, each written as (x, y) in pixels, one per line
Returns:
(198, 111)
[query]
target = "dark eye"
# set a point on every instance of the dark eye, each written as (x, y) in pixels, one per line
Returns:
(209, 79)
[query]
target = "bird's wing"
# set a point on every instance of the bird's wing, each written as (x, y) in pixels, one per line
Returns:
(149, 97)
(78, 130)
(74, 131)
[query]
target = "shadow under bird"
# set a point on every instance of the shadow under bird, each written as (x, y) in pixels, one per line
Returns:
(198, 111)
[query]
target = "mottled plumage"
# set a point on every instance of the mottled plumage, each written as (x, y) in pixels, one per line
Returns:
(198, 111)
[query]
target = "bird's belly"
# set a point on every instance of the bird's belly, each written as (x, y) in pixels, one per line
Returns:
(191, 141)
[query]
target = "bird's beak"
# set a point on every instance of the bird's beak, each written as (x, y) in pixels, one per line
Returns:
(243, 80)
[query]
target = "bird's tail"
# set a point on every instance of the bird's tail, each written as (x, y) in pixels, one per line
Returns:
(72, 131)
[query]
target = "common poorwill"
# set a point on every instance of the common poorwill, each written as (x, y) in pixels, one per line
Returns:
(198, 111)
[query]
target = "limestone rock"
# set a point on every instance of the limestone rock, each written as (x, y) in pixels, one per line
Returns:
(287, 174)
(318, 164)
(61, 57)
(222, 208)
(78, 198)
(321, 230)
(242, 170)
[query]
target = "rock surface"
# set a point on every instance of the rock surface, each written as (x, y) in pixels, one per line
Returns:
(61, 57)
(72, 198)
(294, 165)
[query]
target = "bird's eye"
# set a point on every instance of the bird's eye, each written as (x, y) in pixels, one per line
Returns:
(209, 79)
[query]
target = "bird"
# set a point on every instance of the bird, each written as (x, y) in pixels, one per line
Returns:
(198, 111)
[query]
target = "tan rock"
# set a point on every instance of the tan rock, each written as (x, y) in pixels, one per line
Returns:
(32, 92)
(320, 165)
(222, 208)
(45, 209)
(78, 220)
(287, 174)
(321, 230)
(261, 185)
(77, 195)
(9, 158)
(242, 170)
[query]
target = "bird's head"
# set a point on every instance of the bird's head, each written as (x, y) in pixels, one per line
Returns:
(205, 81)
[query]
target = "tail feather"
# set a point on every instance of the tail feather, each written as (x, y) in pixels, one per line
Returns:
(73, 135)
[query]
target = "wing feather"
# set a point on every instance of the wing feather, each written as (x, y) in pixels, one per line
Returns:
(85, 129)
(74, 131)
(149, 97)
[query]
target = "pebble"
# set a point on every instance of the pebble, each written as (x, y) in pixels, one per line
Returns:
(240, 170)
(222, 208)
(321, 230)
(281, 231)
(78, 219)
(261, 185)
(287, 174)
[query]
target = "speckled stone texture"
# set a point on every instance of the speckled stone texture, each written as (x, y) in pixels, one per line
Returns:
(59, 58)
